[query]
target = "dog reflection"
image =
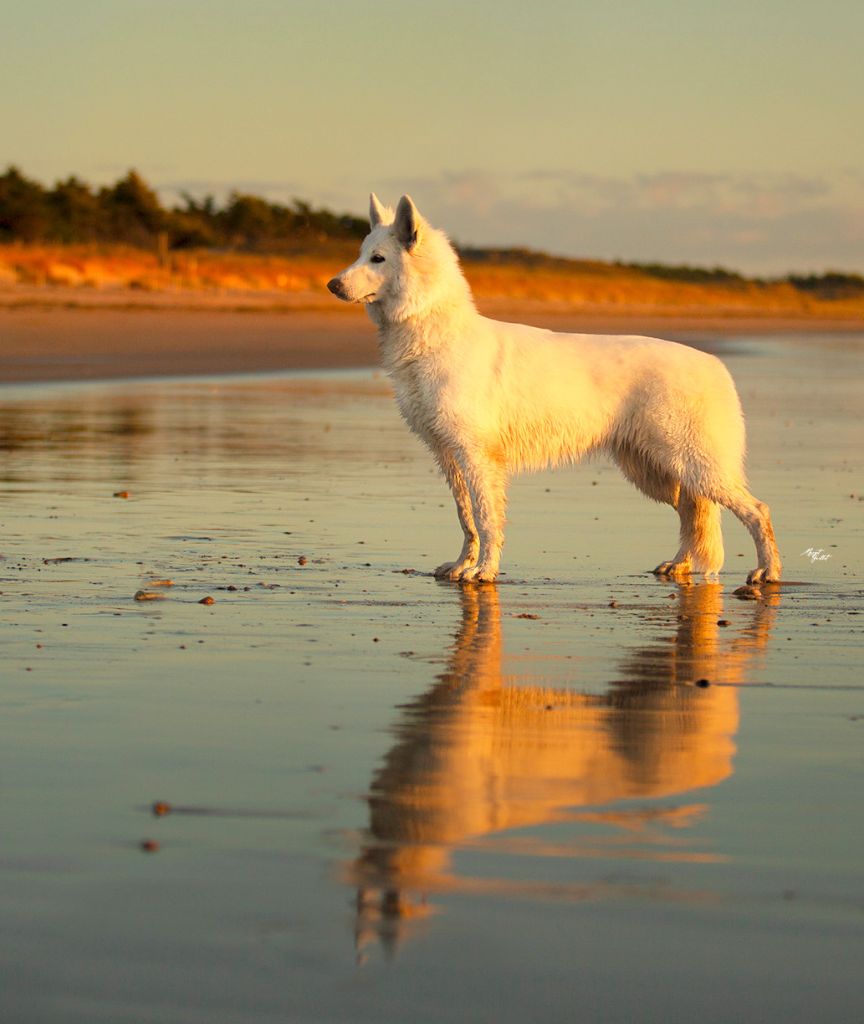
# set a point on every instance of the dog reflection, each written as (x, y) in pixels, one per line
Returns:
(482, 753)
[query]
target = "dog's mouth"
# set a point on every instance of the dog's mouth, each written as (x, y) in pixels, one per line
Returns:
(337, 287)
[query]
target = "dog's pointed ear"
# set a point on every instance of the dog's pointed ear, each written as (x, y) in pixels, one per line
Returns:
(377, 213)
(408, 223)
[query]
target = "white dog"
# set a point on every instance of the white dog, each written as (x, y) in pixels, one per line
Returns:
(491, 398)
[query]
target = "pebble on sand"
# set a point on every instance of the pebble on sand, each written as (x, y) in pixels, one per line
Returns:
(150, 845)
(148, 595)
(207, 600)
(121, 494)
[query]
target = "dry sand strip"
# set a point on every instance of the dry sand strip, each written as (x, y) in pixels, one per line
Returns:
(56, 342)
(62, 344)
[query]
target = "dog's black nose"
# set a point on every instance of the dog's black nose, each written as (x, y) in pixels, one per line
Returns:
(335, 285)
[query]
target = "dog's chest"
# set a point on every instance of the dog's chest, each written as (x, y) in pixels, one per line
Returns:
(417, 395)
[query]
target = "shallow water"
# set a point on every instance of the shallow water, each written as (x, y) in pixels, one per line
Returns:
(398, 799)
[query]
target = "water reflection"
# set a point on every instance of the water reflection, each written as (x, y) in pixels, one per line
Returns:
(130, 430)
(482, 753)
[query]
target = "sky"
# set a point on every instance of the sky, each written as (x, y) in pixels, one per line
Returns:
(681, 131)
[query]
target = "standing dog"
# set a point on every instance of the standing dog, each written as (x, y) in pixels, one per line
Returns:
(491, 399)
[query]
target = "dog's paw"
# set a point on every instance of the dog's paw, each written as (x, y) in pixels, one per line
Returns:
(672, 569)
(478, 574)
(762, 575)
(450, 570)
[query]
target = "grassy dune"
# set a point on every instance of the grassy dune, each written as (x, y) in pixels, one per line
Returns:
(116, 275)
(121, 268)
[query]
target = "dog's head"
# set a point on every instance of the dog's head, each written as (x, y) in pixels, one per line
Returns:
(403, 266)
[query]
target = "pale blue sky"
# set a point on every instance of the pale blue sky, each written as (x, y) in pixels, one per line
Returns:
(679, 131)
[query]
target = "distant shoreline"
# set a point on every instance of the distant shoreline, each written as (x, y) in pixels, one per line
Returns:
(47, 338)
(692, 315)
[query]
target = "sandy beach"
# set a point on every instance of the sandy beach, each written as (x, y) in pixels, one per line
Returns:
(344, 791)
(60, 334)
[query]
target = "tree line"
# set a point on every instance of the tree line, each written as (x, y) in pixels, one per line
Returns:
(130, 212)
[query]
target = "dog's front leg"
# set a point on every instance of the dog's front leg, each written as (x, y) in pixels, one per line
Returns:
(487, 481)
(471, 545)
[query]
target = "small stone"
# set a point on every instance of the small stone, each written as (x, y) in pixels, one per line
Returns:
(302, 560)
(207, 600)
(613, 604)
(747, 593)
(149, 845)
(121, 494)
(723, 622)
(702, 683)
(148, 595)
(527, 615)
(161, 807)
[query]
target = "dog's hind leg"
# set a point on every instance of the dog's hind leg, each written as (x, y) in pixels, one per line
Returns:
(664, 488)
(756, 516)
(701, 547)
(706, 537)
(486, 480)
(471, 545)
(682, 563)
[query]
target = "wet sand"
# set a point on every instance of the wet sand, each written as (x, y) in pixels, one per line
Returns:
(49, 336)
(582, 793)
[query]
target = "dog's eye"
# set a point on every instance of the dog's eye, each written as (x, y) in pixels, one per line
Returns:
(377, 258)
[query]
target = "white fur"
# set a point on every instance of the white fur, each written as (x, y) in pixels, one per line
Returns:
(491, 399)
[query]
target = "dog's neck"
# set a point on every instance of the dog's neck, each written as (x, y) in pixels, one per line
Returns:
(440, 301)
(425, 328)
(409, 338)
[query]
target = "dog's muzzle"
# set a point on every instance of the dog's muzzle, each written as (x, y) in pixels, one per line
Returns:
(335, 285)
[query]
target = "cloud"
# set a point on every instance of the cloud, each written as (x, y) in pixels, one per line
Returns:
(759, 223)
